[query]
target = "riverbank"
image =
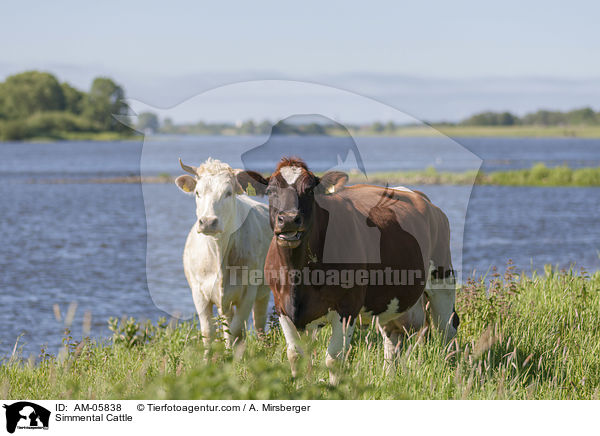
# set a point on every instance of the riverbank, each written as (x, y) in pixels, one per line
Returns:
(453, 131)
(531, 338)
(502, 131)
(80, 136)
(538, 175)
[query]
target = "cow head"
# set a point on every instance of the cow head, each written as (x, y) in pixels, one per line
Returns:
(214, 186)
(291, 190)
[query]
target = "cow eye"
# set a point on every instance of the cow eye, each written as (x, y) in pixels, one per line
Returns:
(228, 194)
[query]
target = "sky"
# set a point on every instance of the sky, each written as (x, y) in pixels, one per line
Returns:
(435, 60)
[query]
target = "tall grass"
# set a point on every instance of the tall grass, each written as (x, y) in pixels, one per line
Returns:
(520, 337)
(538, 175)
(541, 175)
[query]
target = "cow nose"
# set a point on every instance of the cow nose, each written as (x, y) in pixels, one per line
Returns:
(208, 224)
(289, 219)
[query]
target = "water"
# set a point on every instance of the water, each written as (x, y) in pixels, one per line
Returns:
(87, 242)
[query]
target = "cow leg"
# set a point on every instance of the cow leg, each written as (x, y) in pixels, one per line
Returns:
(397, 329)
(292, 339)
(259, 311)
(342, 330)
(205, 315)
(390, 342)
(227, 317)
(237, 326)
(411, 320)
(442, 295)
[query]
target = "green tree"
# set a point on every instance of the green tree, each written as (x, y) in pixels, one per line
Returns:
(507, 119)
(545, 118)
(263, 128)
(148, 121)
(104, 100)
(247, 128)
(492, 119)
(377, 127)
(581, 116)
(74, 98)
(2, 114)
(167, 125)
(30, 92)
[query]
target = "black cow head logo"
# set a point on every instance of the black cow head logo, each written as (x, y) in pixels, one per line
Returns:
(24, 414)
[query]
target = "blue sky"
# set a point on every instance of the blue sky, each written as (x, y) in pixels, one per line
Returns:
(164, 52)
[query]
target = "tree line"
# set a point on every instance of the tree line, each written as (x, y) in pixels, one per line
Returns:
(544, 118)
(577, 117)
(36, 104)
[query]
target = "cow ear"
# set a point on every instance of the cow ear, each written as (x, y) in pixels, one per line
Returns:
(331, 181)
(252, 182)
(186, 183)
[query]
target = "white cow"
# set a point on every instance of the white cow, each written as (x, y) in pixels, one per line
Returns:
(229, 240)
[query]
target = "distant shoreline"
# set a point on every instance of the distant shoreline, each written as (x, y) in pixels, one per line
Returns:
(78, 136)
(539, 175)
(588, 132)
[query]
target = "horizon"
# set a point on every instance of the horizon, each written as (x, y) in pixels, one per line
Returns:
(427, 99)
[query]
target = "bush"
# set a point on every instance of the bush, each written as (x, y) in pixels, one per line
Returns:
(539, 172)
(12, 130)
(586, 177)
(541, 175)
(55, 123)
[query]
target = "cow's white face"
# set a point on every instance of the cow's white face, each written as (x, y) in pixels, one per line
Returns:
(215, 200)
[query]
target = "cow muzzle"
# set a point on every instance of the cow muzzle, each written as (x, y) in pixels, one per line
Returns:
(288, 229)
(209, 225)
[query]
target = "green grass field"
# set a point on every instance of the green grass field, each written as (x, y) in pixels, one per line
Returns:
(522, 131)
(538, 175)
(532, 337)
(458, 131)
(453, 131)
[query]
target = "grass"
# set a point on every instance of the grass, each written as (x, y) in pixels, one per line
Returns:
(521, 131)
(429, 176)
(454, 131)
(541, 175)
(520, 337)
(457, 131)
(538, 175)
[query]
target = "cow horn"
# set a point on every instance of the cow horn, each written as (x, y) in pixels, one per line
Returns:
(188, 168)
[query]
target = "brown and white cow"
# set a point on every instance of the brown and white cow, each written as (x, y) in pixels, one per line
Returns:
(388, 240)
